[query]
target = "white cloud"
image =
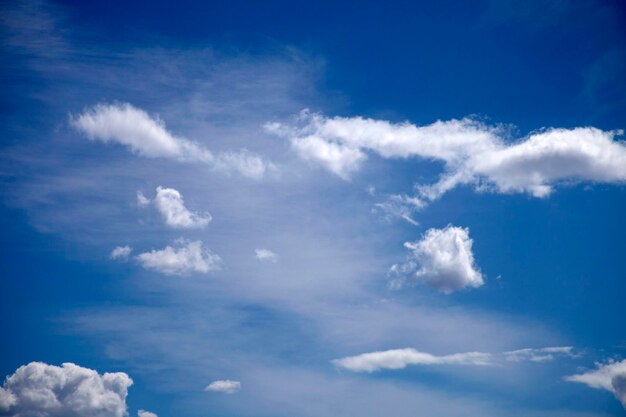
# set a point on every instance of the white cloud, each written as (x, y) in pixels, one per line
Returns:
(142, 200)
(443, 259)
(182, 258)
(610, 376)
(401, 358)
(147, 136)
(169, 202)
(121, 252)
(43, 390)
(539, 355)
(265, 255)
(473, 153)
(226, 386)
(144, 413)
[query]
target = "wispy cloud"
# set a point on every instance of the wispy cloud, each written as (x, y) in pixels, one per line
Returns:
(226, 386)
(610, 376)
(473, 152)
(121, 252)
(539, 355)
(148, 136)
(265, 255)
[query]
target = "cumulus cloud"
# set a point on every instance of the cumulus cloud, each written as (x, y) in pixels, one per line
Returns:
(169, 202)
(144, 413)
(472, 152)
(609, 376)
(148, 136)
(226, 386)
(182, 258)
(539, 355)
(121, 252)
(43, 390)
(443, 259)
(265, 255)
(401, 358)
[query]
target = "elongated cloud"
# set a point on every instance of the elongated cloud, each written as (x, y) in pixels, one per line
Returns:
(472, 152)
(401, 358)
(443, 259)
(265, 255)
(610, 376)
(169, 202)
(539, 355)
(144, 413)
(43, 390)
(226, 386)
(148, 136)
(182, 258)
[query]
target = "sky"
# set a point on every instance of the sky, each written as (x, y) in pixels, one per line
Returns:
(267, 209)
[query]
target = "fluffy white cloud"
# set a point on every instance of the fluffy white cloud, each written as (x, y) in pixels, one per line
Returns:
(472, 152)
(144, 413)
(43, 390)
(610, 376)
(226, 386)
(121, 252)
(401, 358)
(169, 202)
(265, 255)
(539, 355)
(181, 258)
(147, 136)
(443, 259)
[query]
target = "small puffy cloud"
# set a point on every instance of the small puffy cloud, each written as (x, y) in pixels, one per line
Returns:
(443, 259)
(401, 358)
(609, 376)
(265, 255)
(472, 152)
(182, 258)
(148, 136)
(121, 252)
(144, 413)
(169, 202)
(43, 390)
(539, 355)
(226, 386)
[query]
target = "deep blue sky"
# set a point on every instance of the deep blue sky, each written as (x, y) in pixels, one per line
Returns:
(215, 73)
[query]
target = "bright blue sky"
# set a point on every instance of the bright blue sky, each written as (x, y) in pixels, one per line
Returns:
(521, 249)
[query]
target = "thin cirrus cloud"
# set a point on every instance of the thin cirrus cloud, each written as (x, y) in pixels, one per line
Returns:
(443, 259)
(610, 376)
(473, 153)
(401, 358)
(69, 390)
(170, 204)
(182, 258)
(148, 136)
(265, 255)
(225, 386)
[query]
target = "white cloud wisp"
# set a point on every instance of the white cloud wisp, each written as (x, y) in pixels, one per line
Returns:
(610, 376)
(121, 252)
(225, 386)
(443, 259)
(472, 152)
(169, 202)
(265, 255)
(148, 137)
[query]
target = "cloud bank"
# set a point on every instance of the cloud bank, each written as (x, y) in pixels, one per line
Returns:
(148, 137)
(43, 390)
(182, 258)
(443, 259)
(226, 386)
(472, 152)
(401, 358)
(610, 376)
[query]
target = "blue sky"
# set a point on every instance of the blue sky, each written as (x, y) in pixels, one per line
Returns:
(312, 209)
